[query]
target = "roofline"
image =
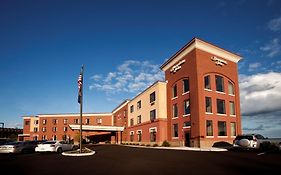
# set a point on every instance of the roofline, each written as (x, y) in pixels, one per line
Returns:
(125, 102)
(193, 40)
(74, 115)
(158, 81)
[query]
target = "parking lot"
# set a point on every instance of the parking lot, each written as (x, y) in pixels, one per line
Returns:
(114, 159)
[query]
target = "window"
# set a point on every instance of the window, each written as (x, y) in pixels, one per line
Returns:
(185, 85)
(54, 129)
(187, 124)
(124, 113)
(64, 137)
(139, 136)
(219, 84)
(131, 136)
(132, 109)
(76, 121)
(87, 121)
(152, 134)
(207, 82)
(230, 88)
(175, 130)
(27, 122)
(233, 128)
(139, 105)
(175, 110)
(186, 107)
(54, 137)
(55, 121)
(153, 114)
(44, 137)
(99, 120)
(232, 108)
(44, 121)
(220, 106)
(65, 128)
(44, 129)
(36, 122)
(175, 93)
(131, 122)
(208, 101)
(209, 127)
(35, 129)
(139, 119)
(152, 97)
(222, 128)
(65, 121)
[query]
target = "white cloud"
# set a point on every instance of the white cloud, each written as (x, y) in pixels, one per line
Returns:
(273, 48)
(131, 76)
(275, 24)
(260, 93)
(254, 66)
(96, 77)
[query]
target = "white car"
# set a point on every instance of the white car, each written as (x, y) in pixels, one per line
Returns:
(248, 141)
(54, 146)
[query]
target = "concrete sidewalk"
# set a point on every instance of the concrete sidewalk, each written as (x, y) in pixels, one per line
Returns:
(181, 148)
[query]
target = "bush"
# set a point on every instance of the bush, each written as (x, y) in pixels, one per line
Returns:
(142, 144)
(148, 145)
(155, 145)
(166, 143)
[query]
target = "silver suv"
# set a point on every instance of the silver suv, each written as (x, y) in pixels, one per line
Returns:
(248, 141)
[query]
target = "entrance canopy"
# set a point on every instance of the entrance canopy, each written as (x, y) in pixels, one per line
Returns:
(97, 128)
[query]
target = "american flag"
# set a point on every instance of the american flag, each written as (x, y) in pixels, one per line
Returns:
(80, 85)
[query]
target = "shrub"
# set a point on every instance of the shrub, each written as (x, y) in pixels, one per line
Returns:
(148, 145)
(166, 143)
(142, 144)
(155, 145)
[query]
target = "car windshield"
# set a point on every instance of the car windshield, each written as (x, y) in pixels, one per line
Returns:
(249, 137)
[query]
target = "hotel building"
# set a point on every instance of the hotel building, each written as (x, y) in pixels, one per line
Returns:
(197, 105)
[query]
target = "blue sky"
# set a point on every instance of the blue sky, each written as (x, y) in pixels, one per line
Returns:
(122, 44)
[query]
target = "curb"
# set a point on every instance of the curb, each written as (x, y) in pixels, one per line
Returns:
(79, 154)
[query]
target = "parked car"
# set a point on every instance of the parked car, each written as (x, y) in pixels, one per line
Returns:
(3, 141)
(54, 146)
(248, 141)
(18, 147)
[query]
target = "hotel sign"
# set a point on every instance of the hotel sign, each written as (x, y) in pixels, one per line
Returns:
(218, 61)
(177, 67)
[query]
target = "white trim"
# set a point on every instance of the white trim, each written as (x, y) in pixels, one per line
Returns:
(222, 136)
(185, 93)
(209, 113)
(221, 114)
(174, 118)
(121, 106)
(186, 127)
(232, 115)
(209, 137)
(220, 92)
(97, 128)
(175, 138)
(232, 136)
(197, 43)
(174, 98)
(233, 95)
(75, 115)
(152, 129)
(23, 135)
(185, 115)
(210, 90)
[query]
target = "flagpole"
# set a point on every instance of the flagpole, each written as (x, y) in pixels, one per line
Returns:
(81, 109)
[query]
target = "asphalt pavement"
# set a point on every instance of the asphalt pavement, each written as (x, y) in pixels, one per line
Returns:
(120, 160)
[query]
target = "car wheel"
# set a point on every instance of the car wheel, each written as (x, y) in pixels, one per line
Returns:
(59, 150)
